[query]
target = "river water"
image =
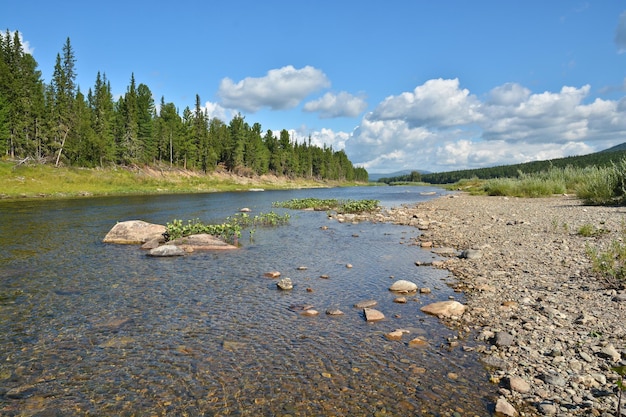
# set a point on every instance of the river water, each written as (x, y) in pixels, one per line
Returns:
(94, 329)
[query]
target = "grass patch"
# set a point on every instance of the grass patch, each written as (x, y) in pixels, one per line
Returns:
(609, 264)
(39, 180)
(340, 206)
(589, 230)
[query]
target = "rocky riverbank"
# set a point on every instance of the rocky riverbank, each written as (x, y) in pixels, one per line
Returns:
(548, 330)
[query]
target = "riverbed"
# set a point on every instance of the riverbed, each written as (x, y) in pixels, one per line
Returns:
(88, 328)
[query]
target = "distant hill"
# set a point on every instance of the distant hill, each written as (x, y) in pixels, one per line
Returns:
(376, 176)
(600, 159)
(616, 148)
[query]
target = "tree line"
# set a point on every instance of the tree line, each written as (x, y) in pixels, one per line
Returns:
(57, 123)
(601, 159)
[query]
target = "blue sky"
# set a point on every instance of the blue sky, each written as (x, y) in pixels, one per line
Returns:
(399, 85)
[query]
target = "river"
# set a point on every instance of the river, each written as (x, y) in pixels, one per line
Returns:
(95, 329)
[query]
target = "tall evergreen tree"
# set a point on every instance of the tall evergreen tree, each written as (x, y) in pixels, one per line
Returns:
(21, 99)
(102, 113)
(145, 118)
(129, 146)
(64, 89)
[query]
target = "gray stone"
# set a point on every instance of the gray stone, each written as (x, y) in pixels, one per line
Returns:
(552, 379)
(366, 304)
(504, 339)
(201, 241)
(285, 284)
(548, 408)
(471, 254)
(610, 352)
(166, 251)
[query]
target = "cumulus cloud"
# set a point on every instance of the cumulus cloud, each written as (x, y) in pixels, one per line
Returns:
(620, 33)
(282, 88)
(215, 110)
(337, 105)
(455, 130)
(435, 103)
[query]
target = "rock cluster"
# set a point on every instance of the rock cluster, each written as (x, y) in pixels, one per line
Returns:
(548, 329)
(151, 238)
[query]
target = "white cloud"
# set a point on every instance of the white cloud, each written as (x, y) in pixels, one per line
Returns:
(337, 105)
(282, 88)
(620, 33)
(215, 110)
(435, 103)
(455, 130)
(25, 44)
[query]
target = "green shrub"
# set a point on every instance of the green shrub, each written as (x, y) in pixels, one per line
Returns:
(610, 264)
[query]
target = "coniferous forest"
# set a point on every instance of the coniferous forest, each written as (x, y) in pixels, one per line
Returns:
(59, 124)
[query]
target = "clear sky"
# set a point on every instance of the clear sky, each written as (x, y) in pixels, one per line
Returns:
(432, 85)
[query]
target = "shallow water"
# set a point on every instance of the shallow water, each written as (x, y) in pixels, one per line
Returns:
(88, 328)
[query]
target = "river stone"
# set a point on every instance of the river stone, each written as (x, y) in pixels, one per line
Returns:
(272, 274)
(334, 312)
(373, 315)
(503, 408)
(285, 284)
(552, 379)
(403, 286)
(548, 408)
(519, 385)
(134, 232)
(444, 309)
(395, 335)
(166, 251)
(610, 352)
(310, 313)
(471, 254)
(201, 241)
(418, 342)
(366, 304)
(504, 339)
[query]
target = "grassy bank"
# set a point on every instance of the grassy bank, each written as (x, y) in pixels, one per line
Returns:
(36, 180)
(594, 185)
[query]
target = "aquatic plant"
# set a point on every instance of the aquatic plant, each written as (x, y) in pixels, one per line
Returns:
(230, 230)
(340, 206)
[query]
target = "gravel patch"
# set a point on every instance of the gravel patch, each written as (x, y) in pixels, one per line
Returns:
(548, 330)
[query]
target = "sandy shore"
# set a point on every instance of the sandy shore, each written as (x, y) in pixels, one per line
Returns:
(548, 330)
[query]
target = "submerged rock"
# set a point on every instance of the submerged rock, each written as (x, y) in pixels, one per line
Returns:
(373, 315)
(444, 309)
(201, 241)
(403, 286)
(366, 304)
(166, 251)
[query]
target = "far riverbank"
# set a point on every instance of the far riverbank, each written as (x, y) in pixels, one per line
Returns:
(46, 181)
